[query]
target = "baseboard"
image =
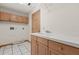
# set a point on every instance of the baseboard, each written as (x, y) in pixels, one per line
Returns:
(5, 45)
(15, 43)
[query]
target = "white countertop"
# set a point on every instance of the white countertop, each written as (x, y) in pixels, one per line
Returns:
(69, 40)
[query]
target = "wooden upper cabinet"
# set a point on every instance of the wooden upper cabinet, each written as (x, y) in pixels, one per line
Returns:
(25, 19)
(22, 19)
(13, 18)
(4, 16)
(36, 21)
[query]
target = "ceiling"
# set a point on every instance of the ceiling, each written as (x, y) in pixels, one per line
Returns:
(19, 7)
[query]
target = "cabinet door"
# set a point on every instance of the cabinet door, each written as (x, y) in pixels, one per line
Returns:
(4, 16)
(22, 19)
(42, 49)
(33, 45)
(19, 19)
(69, 50)
(13, 18)
(36, 21)
(55, 48)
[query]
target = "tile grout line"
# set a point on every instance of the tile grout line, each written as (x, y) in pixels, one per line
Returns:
(3, 50)
(12, 49)
(0, 50)
(20, 49)
(26, 48)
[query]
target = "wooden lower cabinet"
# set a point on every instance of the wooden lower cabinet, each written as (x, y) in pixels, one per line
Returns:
(38, 47)
(42, 49)
(34, 50)
(34, 45)
(42, 46)
(54, 52)
(69, 50)
(63, 49)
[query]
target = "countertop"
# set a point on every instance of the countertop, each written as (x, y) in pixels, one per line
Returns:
(69, 40)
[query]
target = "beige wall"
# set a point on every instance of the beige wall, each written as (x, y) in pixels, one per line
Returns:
(13, 36)
(16, 35)
(60, 18)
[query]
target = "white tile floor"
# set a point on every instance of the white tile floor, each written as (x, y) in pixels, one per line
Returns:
(16, 49)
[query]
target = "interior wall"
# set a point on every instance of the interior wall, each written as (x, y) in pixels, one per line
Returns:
(13, 36)
(60, 18)
(16, 35)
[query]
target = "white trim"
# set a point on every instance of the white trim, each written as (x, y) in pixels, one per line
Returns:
(35, 10)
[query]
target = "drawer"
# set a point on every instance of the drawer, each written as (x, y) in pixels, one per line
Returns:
(64, 49)
(69, 50)
(55, 46)
(43, 41)
(54, 52)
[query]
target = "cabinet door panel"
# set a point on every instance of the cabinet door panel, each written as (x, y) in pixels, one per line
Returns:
(54, 52)
(36, 21)
(4, 16)
(56, 46)
(34, 49)
(70, 50)
(34, 45)
(42, 49)
(22, 19)
(13, 18)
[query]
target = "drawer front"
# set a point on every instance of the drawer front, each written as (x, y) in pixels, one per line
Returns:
(43, 41)
(69, 50)
(54, 52)
(55, 46)
(42, 49)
